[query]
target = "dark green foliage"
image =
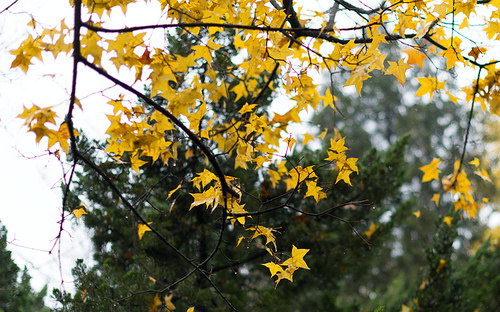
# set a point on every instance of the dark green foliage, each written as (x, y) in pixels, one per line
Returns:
(15, 295)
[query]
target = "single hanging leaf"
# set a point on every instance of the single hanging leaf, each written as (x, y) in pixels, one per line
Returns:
(142, 228)
(431, 171)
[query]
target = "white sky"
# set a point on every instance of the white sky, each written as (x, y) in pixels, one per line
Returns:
(30, 198)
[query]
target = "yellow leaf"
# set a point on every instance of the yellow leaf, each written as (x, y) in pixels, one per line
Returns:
(406, 309)
(447, 220)
(297, 259)
(483, 174)
(273, 268)
(441, 265)
(203, 179)
(143, 228)
(372, 230)
(173, 191)
(315, 191)
(475, 162)
(329, 99)
(247, 108)
(240, 239)
(307, 138)
(190, 309)
(415, 57)
(323, 134)
(431, 171)
(417, 214)
(79, 212)
(153, 306)
(262, 230)
(168, 302)
(429, 85)
(435, 199)
(208, 197)
(398, 70)
(344, 175)
(136, 163)
(452, 57)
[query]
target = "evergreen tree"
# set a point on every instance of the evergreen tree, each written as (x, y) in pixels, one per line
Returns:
(16, 294)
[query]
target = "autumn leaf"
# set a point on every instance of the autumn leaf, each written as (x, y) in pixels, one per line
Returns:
(168, 302)
(447, 220)
(264, 231)
(79, 212)
(431, 171)
(417, 213)
(314, 191)
(155, 304)
(297, 259)
(142, 228)
(372, 230)
(435, 199)
(415, 57)
(398, 70)
(429, 85)
(442, 264)
(475, 162)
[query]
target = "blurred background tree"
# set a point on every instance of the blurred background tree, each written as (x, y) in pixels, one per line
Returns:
(16, 294)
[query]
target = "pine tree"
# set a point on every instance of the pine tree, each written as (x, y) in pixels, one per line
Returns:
(16, 294)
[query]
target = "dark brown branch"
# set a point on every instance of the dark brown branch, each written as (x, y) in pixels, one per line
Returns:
(8, 7)
(298, 32)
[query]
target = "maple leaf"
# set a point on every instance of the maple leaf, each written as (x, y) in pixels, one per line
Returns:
(475, 162)
(452, 56)
(372, 230)
(156, 302)
(338, 145)
(447, 220)
(475, 52)
(323, 134)
(344, 176)
(247, 108)
(435, 199)
(136, 163)
(315, 191)
(264, 231)
(173, 191)
(429, 85)
(431, 171)
(307, 138)
(78, 212)
(168, 302)
(329, 99)
(398, 70)
(273, 268)
(208, 197)
(142, 228)
(203, 179)
(415, 57)
(297, 259)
